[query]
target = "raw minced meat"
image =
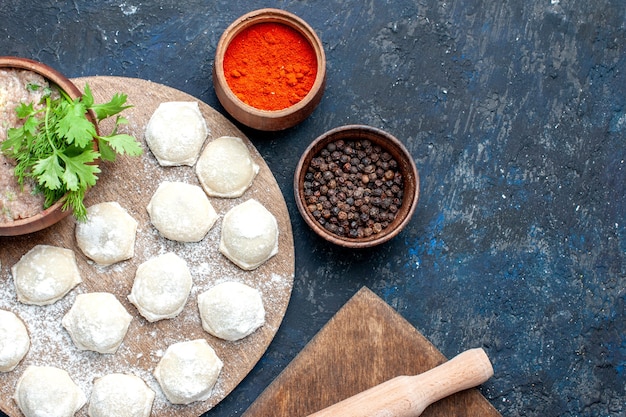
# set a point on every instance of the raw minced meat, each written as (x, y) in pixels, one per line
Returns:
(16, 201)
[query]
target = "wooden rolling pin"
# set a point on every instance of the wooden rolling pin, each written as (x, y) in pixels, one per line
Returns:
(408, 396)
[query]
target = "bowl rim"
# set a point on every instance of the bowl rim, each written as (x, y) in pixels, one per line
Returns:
(54, 213)
(271, 15)
(366, 132)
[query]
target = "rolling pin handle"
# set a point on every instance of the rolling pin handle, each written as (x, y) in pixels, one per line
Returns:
(466, 370)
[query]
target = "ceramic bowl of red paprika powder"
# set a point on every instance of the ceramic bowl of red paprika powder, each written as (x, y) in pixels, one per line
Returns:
(356, 186)
(270, 70)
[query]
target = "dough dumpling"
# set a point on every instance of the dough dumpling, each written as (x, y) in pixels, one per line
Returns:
(45, 274)
(48, 391)
(225, 167)
(188, 371)
(108, 235)
(120, 395)
(97, 321)
(175, 133)
(161, 287)
(231, 310)
(249, 235)
(181, 211)
(14, 340)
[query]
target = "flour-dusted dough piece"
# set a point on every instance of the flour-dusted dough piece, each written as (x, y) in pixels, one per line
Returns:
(48, 391)
(231, 310)
(108, 235)
(161, 287)
(14, 340)
(188, 371)
(225, 167)
(45, 274)
(176, 132)
(249, 235)
(181, 211)
(97, 321)
(120, 395)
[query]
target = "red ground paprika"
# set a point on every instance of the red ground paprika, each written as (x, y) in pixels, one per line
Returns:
(270, 66)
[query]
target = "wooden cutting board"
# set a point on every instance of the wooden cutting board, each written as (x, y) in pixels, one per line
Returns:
(131, 182)
(363, 345)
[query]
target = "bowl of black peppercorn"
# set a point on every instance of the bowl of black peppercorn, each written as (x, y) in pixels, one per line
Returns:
(356, 186)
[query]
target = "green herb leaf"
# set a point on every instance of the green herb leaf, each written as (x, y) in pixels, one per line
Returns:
(123, 144)
(74, 201)
(113, 107)
(49, 172)
(14, 141)
(75, 127)
(55, 146)
(79, 173)
(106, 152)
(25, 110)
(87, 97)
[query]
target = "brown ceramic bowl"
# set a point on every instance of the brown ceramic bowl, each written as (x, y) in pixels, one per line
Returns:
(268, 120)
(405, 166)
(54, 213)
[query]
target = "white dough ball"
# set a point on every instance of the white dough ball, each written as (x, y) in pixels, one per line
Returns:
(175, 133)
(14, 340)
(120, 395)
(188, 371)
(48, 391)
(97, 321)
(161, 287)
(45, 274)
(108, 235)
(249, 235)
(231, 310)
(181, 211)
(225, 167)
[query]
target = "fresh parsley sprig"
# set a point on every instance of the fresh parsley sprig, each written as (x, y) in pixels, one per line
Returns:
(54, 146)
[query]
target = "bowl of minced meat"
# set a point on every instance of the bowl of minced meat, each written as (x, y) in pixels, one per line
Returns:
(25, 81)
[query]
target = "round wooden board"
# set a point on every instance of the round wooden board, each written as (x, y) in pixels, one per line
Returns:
(131, 182)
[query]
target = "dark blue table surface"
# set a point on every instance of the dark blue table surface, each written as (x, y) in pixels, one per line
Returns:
(515, 114)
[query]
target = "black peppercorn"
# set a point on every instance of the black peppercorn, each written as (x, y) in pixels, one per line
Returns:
(353, 188)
